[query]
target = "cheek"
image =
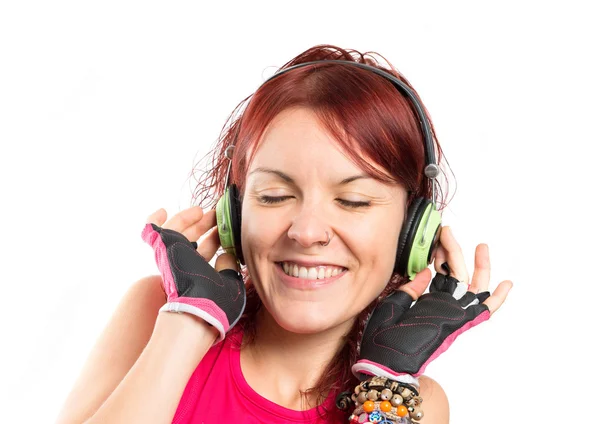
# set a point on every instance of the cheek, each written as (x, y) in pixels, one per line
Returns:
(377, 242)
(260, 232)
(375, 248)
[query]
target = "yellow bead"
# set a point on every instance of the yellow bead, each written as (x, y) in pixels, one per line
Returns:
(402, 411)
(385, 406)
(369, 406)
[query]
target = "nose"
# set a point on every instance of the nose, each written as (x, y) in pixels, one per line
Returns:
(309, 227)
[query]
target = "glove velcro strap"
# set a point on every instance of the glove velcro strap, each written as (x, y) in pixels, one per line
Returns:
(202, 308)
(367, 368)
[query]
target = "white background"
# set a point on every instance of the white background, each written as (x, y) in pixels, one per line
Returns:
(106, 106)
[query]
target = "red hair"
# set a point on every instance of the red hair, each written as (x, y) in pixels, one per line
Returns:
(373, 124)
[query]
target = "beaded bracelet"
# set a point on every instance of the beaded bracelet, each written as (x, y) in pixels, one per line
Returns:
(381, 400)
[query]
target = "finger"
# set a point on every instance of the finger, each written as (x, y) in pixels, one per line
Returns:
(157, 218)
(439, 259)
(198, 229)
(417, 286)
(481, 274)
(499, 296)
(184, 219)
(454, 256)
(226, 261)
(208, 245)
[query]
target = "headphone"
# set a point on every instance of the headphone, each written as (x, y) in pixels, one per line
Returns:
(421, 230)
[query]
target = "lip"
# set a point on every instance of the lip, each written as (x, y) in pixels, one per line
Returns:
(305, 283)
(310, 264)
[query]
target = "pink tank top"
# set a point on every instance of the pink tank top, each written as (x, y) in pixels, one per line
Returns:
(217, 392)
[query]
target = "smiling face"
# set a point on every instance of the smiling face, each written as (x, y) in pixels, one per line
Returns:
(300, 187)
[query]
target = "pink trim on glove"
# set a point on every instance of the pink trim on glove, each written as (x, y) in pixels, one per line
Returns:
(153, 238)
(484, 316)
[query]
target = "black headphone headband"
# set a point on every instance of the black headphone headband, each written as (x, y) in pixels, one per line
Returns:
(431, 168)
(417, 240)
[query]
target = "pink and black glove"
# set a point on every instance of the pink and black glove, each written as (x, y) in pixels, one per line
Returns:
(399, 341)
(191, 284)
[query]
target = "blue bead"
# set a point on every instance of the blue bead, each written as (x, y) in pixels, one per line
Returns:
(375, 417)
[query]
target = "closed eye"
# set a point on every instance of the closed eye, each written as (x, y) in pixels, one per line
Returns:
(273, 199)
(343, 202)
(350, 204)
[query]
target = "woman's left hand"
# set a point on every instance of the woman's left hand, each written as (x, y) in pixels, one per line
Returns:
(449, 255)
(402, 338)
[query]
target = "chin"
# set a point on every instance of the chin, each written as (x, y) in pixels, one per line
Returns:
(311, 318)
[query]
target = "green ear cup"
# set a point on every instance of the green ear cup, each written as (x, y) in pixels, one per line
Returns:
(412, 255)
(229, 222)
(422, 248)
(224, 224)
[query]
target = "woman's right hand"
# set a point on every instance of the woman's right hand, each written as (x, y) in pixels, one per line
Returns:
(190, 283)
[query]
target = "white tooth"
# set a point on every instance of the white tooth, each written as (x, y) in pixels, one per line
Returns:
(295, 270)
(335, 272)
(286, 267)
(303, 273)
(321, 274)
(312, 273)
(328, 272)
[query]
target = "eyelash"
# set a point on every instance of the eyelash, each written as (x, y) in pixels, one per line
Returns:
(347, 203)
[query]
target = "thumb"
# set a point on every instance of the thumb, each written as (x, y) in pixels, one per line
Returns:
(417, 286)
(226, 261)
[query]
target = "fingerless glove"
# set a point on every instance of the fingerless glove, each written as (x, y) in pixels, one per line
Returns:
(399, 341)
(191, 284)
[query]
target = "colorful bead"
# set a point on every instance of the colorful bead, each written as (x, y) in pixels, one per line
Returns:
(362, 397)
(369, 406)
(375, 417)
(385, 406)
(402, 411)
(363, 418)
(353, 419)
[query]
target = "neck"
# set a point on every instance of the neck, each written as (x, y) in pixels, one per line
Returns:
(280, 364)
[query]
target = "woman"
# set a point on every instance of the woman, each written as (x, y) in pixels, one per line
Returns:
(328, 160)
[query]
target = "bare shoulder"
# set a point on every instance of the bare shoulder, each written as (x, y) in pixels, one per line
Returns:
(435, 402)
(118, 347)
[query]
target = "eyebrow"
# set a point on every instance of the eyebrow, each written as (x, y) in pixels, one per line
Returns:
(290, 180)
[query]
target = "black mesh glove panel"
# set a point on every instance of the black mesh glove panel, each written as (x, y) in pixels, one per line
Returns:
(400, 340)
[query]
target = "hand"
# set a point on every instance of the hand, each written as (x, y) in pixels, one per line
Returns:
(190, 283)
(400, 341)
(448, 259)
